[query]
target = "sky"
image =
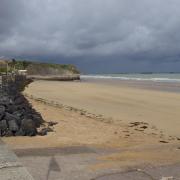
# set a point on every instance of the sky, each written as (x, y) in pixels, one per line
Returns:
(99, 36)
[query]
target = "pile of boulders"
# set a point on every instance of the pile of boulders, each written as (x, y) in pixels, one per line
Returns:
(17, 117)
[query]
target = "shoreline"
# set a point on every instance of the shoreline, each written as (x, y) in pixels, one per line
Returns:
(171, 87)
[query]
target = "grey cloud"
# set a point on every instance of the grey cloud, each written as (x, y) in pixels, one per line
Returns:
(10, 11)
(115, 31)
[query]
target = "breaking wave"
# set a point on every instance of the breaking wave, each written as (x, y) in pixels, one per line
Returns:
(139, 77)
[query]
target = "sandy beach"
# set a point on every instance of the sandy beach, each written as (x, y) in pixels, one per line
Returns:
(120, 102)
(140, 126)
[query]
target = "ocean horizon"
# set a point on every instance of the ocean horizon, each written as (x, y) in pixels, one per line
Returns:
(156, 77)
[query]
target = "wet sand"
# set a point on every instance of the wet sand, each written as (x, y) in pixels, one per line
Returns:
(141, 84)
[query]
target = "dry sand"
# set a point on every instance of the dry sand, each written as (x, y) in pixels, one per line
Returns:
(133, 145)
(136, 144)
(160, 109)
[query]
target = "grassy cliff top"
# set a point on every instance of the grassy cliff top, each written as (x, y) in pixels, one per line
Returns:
(38, 68)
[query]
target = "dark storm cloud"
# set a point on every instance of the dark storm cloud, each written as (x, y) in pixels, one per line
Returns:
(123, 33)
(10, 11)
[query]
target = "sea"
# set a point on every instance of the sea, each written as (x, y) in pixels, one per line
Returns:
(161, 77)
(169, 82)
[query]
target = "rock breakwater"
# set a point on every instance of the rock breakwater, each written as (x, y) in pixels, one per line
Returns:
(17, 117)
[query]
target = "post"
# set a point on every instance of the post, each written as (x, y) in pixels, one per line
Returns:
(7, 67)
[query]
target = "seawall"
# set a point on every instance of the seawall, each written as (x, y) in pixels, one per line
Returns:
(17, 117)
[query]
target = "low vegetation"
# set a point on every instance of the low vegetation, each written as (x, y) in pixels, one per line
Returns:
(38, 68)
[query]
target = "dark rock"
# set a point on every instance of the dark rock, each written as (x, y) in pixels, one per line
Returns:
(20, 133)
(144, 127)
(18, 113)
(2, 111)
(3, 127)
(44, 131)
(37, 119)
(163, 142)
(10, 117)
(28, 115)
(134, 124)
(5, 100)
(9, 133)
(139, 129)
(49, 129)
(13, 126)
(21, 107)
(19, 121)
(17, 117)
(11, 101)
(19, 100)
(28, 126)
(51, 123)
(10, 109)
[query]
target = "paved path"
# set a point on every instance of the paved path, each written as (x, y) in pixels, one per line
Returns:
(10, 167)
(74, 163)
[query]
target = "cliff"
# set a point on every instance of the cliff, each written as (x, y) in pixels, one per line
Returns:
(44, 71)
(38, 68)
